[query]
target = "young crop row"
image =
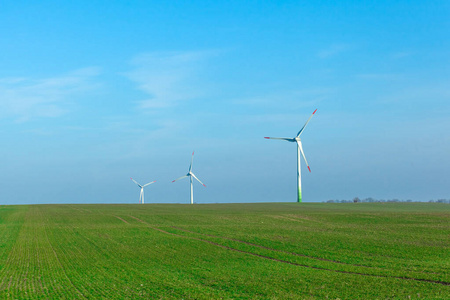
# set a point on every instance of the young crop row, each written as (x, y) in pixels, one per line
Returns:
(203, 252)
(32, 269)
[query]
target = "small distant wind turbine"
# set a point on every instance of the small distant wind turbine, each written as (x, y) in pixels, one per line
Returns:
(141, 196)
(190, 175)
(299, 150)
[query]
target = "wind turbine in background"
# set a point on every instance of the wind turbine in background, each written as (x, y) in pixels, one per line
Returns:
(299, 150)
(190, 175)
(141, 196)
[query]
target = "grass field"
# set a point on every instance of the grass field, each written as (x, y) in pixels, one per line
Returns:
(266, 251)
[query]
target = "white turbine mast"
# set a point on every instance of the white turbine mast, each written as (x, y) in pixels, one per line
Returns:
(190, 174)
(141, 196)
(299, 151)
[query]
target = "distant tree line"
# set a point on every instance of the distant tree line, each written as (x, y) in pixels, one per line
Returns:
(371, 200)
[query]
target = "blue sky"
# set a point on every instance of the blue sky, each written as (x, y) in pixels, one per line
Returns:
(93, 92)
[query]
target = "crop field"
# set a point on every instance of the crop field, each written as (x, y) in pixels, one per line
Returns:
(226, 251)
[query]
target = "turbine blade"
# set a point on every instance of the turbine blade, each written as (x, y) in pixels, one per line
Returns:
(301, 130)
(192, 161)
(303, 154)
(180, 178)
(277, 138)
(136, 182)
(148, 183)
(198, 179)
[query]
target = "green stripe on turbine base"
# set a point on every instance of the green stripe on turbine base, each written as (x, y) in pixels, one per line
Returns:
(299, 196)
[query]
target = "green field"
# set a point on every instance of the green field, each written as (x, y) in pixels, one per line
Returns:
(266, 251)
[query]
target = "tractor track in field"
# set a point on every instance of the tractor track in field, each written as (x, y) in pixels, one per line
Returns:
(122, 219)
(288, 262)
(292, 253)
(272, 249)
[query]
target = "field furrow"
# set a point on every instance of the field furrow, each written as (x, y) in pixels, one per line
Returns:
(377, 272)
(280, 260)
(235, 251)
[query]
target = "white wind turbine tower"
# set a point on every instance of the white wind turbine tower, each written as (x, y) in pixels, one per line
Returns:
(141, 196)
(190, 175)
(299, 150)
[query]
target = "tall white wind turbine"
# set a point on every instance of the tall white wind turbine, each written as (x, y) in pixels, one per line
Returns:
(141, 196)
(190, 174)
(299, 150)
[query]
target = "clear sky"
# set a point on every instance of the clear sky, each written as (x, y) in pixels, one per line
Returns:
(93, 92)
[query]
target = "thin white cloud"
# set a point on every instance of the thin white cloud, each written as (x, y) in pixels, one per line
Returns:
(169, 77)
(28, 98)
(333, 50)
(436, 95)
(380, 76)
(294, 99)
(401, 54)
